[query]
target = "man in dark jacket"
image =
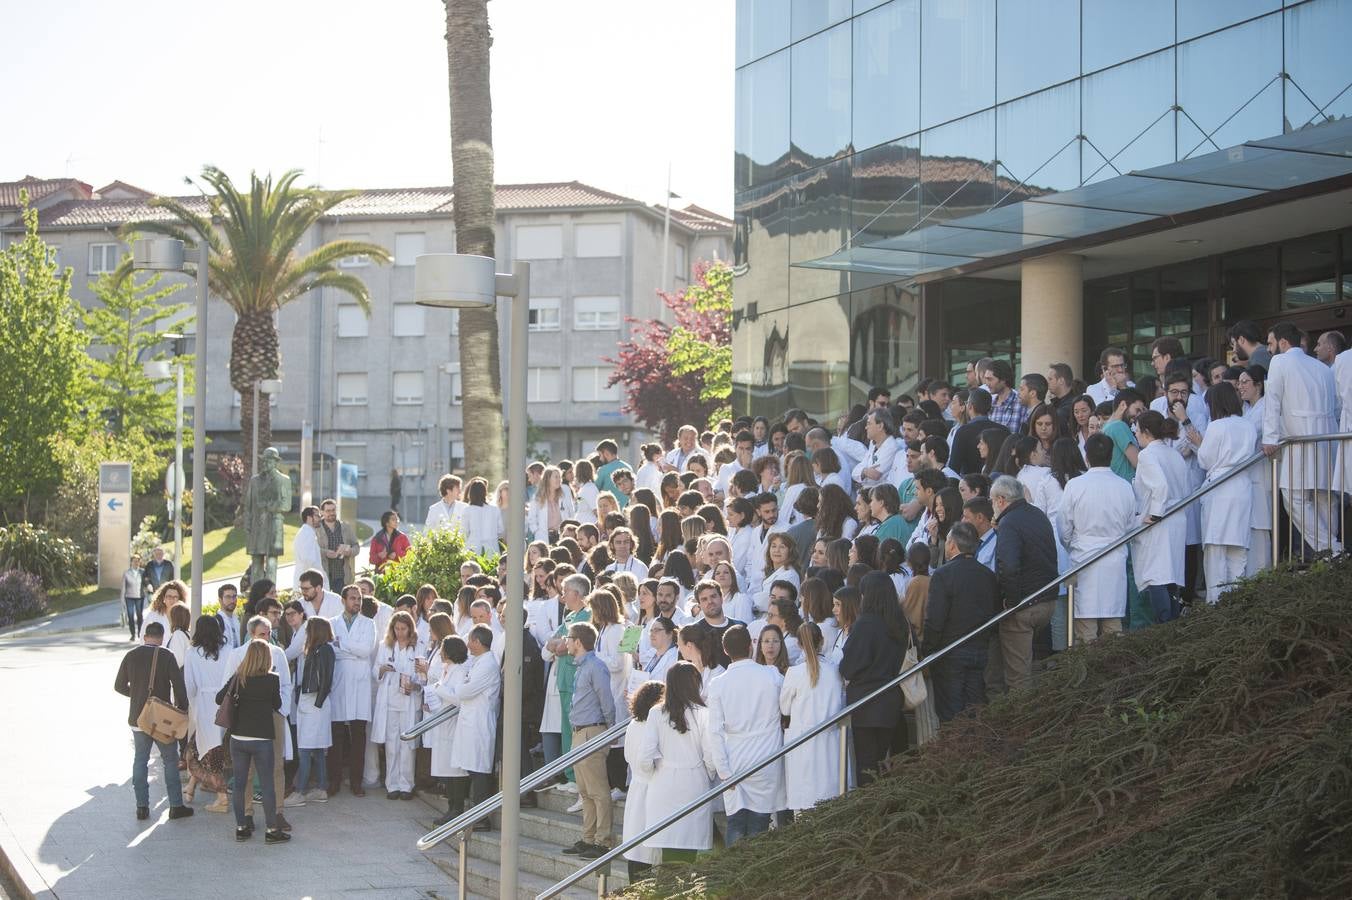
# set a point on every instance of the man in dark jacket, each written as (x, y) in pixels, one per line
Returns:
(532, 707)
(133, 681)
(1025, 563)
(965, 458)
(157, 571)
(963, 596)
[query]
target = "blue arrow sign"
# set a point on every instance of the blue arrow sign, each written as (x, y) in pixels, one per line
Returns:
(114, 503)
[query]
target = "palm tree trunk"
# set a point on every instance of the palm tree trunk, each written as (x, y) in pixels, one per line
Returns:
(253, 357)
(467, 51)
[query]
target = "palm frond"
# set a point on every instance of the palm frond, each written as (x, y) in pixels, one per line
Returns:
(342, 281)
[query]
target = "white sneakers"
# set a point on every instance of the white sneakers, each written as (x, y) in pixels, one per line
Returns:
(616, 794)
(576, 807)
(317, 796)
(295, 798)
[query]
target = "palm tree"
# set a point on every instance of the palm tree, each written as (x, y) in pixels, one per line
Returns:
(256, 268)
(467, 44)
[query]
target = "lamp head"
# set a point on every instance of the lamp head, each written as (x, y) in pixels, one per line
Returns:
(157, 255)
(455, 281)
(270, 385)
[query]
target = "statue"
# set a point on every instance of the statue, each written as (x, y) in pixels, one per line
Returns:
(267, 499)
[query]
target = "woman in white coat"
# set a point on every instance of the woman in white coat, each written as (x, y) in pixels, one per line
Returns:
(673, 753)
(448, 667)
(475, 689)
(482, 522)
(398, 697)
(1161, 481)
(1097, 509)
(1227, 511)
(552, 503)
(1251, 388)
(812, 692)
(584, 483)
(641, 702)
(314, 712)
(206, 669)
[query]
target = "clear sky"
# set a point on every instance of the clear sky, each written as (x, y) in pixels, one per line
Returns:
(354, 92)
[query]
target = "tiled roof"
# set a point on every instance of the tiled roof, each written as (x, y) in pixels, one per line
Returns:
(697, 218)
(108, 213)
(123, 187)
(37, 189)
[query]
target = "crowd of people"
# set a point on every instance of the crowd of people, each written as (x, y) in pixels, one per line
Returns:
(729, 593)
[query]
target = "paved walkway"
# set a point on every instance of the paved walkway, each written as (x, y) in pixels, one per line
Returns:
(67, 809)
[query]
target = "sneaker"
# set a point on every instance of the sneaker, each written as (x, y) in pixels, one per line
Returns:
(594, 851)
(568, 788)
(317, 796)
(181, 812)
(276, 836)
(257, 797)
(576, 807)
(577, 849)
(616, 794)
(295, 798)
(392, 795)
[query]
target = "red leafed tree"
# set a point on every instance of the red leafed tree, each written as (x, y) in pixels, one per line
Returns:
(681, 374)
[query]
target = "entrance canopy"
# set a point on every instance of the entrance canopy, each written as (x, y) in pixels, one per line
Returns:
(1307, 168)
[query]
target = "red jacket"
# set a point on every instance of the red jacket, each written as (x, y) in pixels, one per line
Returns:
(384, 549)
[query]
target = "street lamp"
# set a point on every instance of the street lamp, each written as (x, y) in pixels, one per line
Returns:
(160, 369)
(461, 281)
(268, 386)
(166, 255)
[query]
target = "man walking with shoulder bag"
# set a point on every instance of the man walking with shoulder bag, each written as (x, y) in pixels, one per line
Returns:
(150, 672)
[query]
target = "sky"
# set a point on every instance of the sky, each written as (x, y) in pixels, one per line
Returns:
(354, 92)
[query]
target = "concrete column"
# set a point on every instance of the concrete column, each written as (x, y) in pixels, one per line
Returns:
(1051, 319)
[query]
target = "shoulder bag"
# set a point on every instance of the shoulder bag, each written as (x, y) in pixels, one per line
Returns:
(913, 690)
(225, 712)
(164, 722)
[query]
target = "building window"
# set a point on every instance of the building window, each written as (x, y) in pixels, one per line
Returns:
(103, 258)
(457, 455)
(351, 388)
(682, 270)
(602, 240)
(354, 262)
(542, 385)
(351, 454)
(539, 242)
(408, 247)
(544, 313)
(457, 387)
(408, 320)
(596, 314)
(589, 385)
(408, 388)
(352, 321)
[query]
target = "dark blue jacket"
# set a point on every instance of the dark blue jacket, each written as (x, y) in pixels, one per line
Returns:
(1025, 552)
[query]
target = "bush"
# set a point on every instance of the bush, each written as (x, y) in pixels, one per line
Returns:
(56, 561)
(21, 597)
(434, 558)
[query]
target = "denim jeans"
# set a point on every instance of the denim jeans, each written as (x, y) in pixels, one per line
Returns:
(260, 754)
(744, 824)
(140, 776)
(135, 607)
(1163, 601)
(318, 759)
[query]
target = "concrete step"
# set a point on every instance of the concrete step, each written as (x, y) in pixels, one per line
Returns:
(559, 828)
(482, 879)
(559, 802)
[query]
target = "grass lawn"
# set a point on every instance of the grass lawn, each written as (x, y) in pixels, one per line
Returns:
(223, 550)
(66, 599)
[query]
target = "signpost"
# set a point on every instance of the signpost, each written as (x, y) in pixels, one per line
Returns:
(114, 522)
(348, 473)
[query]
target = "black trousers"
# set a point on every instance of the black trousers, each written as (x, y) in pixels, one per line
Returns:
(348, 750)
(871, 747)
(959, 681)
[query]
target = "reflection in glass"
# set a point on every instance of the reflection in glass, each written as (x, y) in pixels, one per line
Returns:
(1115, 31)
(819, 225)
(957, 56)
(1219, 75)
(1035, 142)
(1127, 117)
(1308, 272)
(821, 97)
(811, 16)
(1316, 60)
(1184, 291)
(884, 340)
(885, 192)
(762, 27)
(762, 128)
(1200, 16)
(1038, 45)
(819, 357)
(760, 246)
(1347, 266)
(1249, 284)
(887, 73)
(980, 318)
(956, 172)
(767, 374)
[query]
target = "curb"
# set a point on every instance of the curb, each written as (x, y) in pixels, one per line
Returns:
(19, 870)
(27, 627)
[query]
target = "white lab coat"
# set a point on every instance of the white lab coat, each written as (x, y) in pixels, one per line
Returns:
(788, 516)
(1301, 399)
(179, 644)
(1227, 511)
(203, 677)
(1043, 489)
(537, 514)
(636, 801)
(738, 607)
(679, 768)
(483, 528)
(441, 739)
(313, 723)
(1161, 481)
(352, 688)
(1260, 477)
(542, 618)
(880, 458)
(1342, 383)
(585, 507)
(1097, 509)
(475, 691)
(744, 546)
(784, 573)
(649, 475)
(744, 729)
(305, 551)
(389, 699)
(442, 514)
(330, 606)
(617, 664)
(815, 766)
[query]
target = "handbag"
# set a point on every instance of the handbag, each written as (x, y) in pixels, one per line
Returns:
(913, 690)
(164, 722)
(225, 712)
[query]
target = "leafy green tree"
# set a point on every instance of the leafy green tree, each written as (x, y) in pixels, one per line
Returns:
(43, 360)
(701, 342)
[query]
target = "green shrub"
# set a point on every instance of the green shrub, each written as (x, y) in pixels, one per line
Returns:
(21, 597)
(56, 561)
(434, 558)
(147, 539)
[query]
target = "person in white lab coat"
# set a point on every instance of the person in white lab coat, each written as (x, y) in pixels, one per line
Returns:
(203, 675)
(1158, 557)
(812, 692)
(447, 669)
(446, 512)
(875, 460)
(744, 728)
(475, 689)
(321, 602)
(314, 712)
(1342, 383)
(1096, 509)
(1302, 400)
(1228, 509)
(481, 613)
(398, 697)
(641, 703)
(305, 547)
(481, 521)
(552, 503)
(354, 643)
(1251, 390)
(674, 753)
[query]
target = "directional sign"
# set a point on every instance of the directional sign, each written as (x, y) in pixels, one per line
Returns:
(114, 504)
(114, 522)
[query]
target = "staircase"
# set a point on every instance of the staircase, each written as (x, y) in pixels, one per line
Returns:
(545, 832)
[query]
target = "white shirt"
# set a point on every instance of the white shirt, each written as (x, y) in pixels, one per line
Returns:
(725, 475)
(649, 475)
(677, 457)
(881, 458)
(441, 514)
(305, 551)
(1102, 392)
(633, 565)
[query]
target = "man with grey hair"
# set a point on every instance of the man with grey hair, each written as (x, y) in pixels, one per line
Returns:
(575, 591)
(963, 595)
(1025, 565)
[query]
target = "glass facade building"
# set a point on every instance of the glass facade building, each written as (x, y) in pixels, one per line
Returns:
(858, 120)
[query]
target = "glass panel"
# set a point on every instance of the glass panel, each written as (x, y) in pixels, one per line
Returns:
(762, 27)
(896, 263)
(980, 318)
(964, 241)
(761, 248)
(887, 73)
(1308, 272)
(1035, 143)
(765, 376)
(819, 357)
(1260, 168)
(819, 224)
(1218, 77)
(1144, 319)
(956, 174)
(811, 16)
(1200, 16)
(885, 191)
(1115, 31)
(1038, 45)
(1147, 196)
(1183, 298)
(1127, 116)
(762, 120)
(884, 340)
(1107, 316)
(1249, 286)
(1316, 60)
(957, 55)
(820, 116)
(1050, 218)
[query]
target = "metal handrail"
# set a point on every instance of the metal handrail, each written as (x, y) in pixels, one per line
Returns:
(892, 685)
(430, 722)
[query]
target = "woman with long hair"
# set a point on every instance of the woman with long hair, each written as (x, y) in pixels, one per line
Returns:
(585, 492)
(627, 585)
(482, 523)
(865, 551)
(314, 715)
(641, 703)
(641, 526)
(713, 519)
(671, 753)
(180, 623)
(835, 514)
(670, 490)
(798, 475)
(464, 599)
(815, 599)
(863, 513)
(398, 697)
(826, 470)
(1066, 461)
(838, 555)
(551, 505)
(1161, 481)
(784, 614)
(1081, 411)
(669, 533)
(699, 647)
(974, 484)
(389, 543)
(770, 649)
(988, 445)
(1031, 465)
(916, 595)
(1227, 510)
(454, 654)
(1252, 384)
(873, 655)
(781, 564)
(736, 605)
(205, 672)
(741, 519)
(256, 694)
(892, 563)
(678, 566)
(1044, 427)
(169, 594)
(812, 693)
(845, 609)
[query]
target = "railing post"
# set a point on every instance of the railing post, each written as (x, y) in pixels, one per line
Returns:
(462, 868)
(1070, 614)
(601, 881)
(1276, 503)
(844, 756)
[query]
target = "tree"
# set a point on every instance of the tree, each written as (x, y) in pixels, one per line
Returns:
(682, 374)
(256, 268)
(467, 55)
(125, 331)
(43, 358)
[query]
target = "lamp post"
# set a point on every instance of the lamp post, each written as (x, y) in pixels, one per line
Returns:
(268, 386)
(163, 369)
(460, 281)
(167, 255)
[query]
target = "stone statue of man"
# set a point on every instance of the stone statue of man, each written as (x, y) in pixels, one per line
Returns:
(267, 499)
